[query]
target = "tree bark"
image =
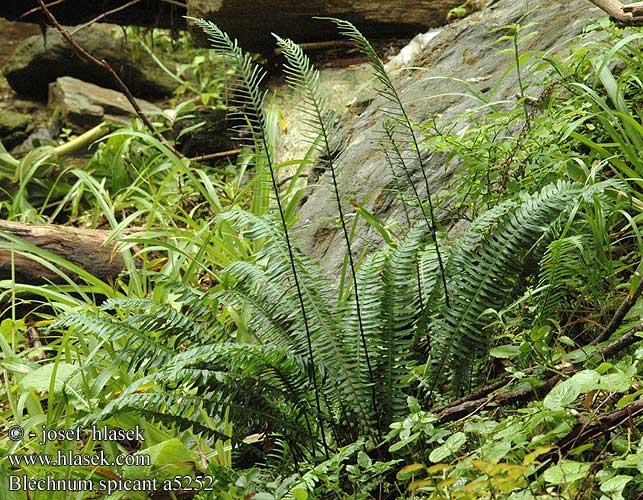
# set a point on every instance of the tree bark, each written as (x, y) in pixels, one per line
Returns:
(86, 248)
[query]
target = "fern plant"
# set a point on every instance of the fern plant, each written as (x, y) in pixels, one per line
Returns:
(189, 366)
(317, 369)
(191, 371)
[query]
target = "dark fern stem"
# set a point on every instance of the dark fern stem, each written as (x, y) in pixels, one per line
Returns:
(302, 76)
(399, 115)
(250, 77)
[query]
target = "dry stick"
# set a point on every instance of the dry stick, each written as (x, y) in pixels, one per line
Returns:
(214, 156)
(174, 2)
(83, 54)
(583, 433)
(38, 9)
(331, 44)
(104, 15)
(620, 314)
(451, 412)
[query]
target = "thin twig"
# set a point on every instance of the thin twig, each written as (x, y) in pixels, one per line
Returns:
(331, 44)
(38, 9)
(104, 15)
(83, 54)
(174, 2)
(620, 314)
(214, 156)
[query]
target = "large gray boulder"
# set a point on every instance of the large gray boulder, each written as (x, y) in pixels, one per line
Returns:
(39, 60)
(79, 106)
(252, 23)
(463, 50)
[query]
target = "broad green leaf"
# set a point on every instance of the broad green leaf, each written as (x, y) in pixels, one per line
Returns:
(566, 392)
(363, 460)
(299, 493)
(40, 379)
(168, 459)
(450, 447)
(566, 472)
(614, 486)
(505, 351)
(410, 470)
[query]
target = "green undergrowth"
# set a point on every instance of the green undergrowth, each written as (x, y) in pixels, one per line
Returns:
(501, 363)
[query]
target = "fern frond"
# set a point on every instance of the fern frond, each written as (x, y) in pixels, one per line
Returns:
(167, 322)
(302, 76)
(560, 267)
(244, 83)
(485, 270)
(401, 307)
(137, 346)
(400, 129)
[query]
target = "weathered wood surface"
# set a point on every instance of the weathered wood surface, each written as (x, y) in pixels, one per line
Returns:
(252, 22)
(85, 248)
(626, 14)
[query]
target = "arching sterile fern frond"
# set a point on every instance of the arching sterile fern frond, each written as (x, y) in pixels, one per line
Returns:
(560, 267)
(134, 345)
(485, 269)
(265, 388)
(341, 366)
(400, 309)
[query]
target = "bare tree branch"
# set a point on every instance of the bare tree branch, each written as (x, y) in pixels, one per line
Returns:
(83, 54)
(625, 14)
(103, 16)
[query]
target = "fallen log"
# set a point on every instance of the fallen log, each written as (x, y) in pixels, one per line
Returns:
(86, 248)
(253, 23)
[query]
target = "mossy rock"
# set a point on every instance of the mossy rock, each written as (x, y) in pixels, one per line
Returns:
(39, 60)
(14, 128)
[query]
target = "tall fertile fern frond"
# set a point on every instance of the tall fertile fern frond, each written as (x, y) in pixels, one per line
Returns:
(250, 98)
(399, 130)
(304, 78)
(244, 83)
(485, 269)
